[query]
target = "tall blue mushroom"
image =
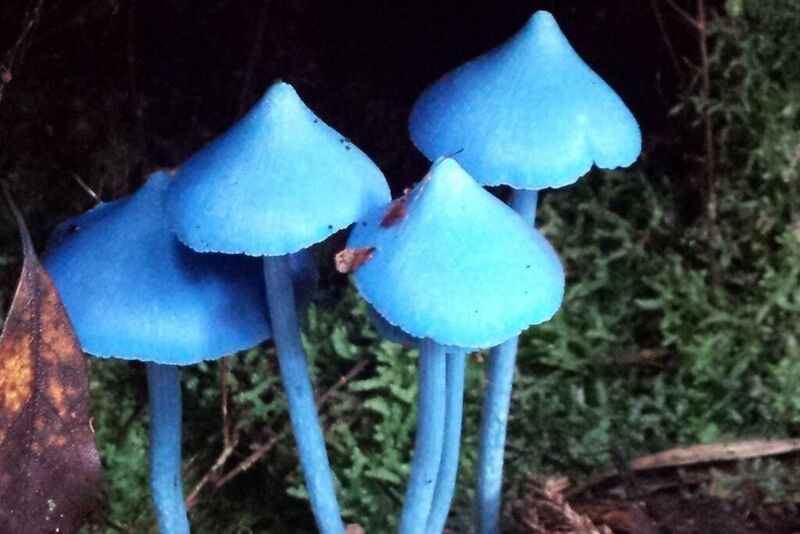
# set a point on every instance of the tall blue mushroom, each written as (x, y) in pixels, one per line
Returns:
(459, 271)
(444, 487)
(279, 181)
(133, 291)
(530, 114)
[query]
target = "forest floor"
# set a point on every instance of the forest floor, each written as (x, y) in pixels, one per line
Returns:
(676, 492)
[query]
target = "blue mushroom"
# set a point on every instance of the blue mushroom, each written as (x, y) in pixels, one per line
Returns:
(277, 182)
(529, 114)
(458, 270)
(133, 291)
(454, 408)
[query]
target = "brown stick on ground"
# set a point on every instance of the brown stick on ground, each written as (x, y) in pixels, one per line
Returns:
(715, 452)
(706, 453)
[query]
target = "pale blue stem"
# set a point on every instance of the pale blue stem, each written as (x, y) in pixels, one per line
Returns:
(300, 396)
(430, 434)
(448, 465)
(496, 403)
(524, 202)
(163, 384)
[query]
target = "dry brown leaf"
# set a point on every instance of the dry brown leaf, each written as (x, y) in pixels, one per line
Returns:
(49, 465)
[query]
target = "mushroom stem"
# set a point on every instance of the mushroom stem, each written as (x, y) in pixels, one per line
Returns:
(300, 395)
(166, 484)
(496, 403)
(497, 399)
(448, 465)
(430, 434)
(524, 202)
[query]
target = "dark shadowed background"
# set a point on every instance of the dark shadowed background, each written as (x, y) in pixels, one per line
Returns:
(163, 78)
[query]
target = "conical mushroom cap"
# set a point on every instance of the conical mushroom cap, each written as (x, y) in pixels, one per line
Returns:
(530, 114)
(133, 291)
(277, 182)
(458, 266)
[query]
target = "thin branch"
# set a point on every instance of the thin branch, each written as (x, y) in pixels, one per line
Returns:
(17, 52)
(684, 15)
(712, 227)
(248, 462)
(86, 189)
(255, 456)
(673, 56)
(137, 102)
(705, 453)
(226, 427)
(219, 463)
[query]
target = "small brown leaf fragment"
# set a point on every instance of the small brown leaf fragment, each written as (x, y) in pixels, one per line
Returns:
(5, 75)
(396, 212)
(49, 465)
(350, 259)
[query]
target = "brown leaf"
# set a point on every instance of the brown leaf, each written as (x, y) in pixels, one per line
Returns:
(350, 259)
(49, 465)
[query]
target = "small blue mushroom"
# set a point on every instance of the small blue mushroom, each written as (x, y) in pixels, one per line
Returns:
(458, 270)
(530, 114)
(133, 291)
(277, 182)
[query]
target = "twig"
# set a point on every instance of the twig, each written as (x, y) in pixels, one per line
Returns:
(228, 443)
(255, 456)
(712, 228)
(726, 451)
(137, 102)
(17, 52)
(219, 463)
(248, 462)
(226, 428)
(87, 13)
(706, 453)
(713, 235)
(665, 37)
(88, 190)
(684, 14)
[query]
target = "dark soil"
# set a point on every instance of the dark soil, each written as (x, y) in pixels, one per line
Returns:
(666, 503)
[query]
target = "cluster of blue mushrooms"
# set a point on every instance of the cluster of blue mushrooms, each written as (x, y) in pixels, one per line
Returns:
(467, 273)
(532, 115)
(215, 259)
